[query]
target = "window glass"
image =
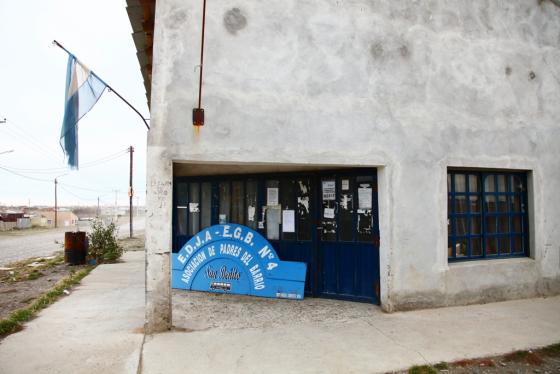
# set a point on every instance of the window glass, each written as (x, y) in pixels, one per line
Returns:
(476, 248)
(504, 245)
(516, 184)
(288, 202)
(475, 204)
(225, 202)
(194, 208)
(462, 228)
(473, 183)
(517, 243)
(346, 208)
(205, 205)
(475, 225)
(273, 210)
(460, 183)
(489, 185)
(461, 247)
(492, 246)
(516, 223)
(460, 204)
(182, 208)
(303, 192)
(364, 217)
(328, 212)
(502, 203)
(237, 202)
(251, 204)
(501, 183)
(490, 201)
(503, 224)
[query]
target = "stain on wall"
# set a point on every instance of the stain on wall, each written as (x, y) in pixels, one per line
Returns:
(234, 20)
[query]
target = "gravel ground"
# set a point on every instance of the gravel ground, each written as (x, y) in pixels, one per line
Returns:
(202, 311)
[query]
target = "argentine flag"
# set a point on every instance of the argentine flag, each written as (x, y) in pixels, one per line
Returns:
(83, 89)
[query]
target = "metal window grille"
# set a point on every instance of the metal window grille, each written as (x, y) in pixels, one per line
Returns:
(487, 214)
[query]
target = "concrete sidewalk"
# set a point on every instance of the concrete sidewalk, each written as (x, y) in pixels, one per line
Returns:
(376, 342)
(98, 329)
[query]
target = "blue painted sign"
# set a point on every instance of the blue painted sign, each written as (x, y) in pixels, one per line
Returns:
(235, 259)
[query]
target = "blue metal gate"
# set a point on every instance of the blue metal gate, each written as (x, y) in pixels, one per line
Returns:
(328, 220)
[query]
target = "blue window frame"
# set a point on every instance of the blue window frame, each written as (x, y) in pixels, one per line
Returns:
(487, 214)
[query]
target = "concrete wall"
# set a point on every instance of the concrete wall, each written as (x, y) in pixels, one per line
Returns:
(409, 87)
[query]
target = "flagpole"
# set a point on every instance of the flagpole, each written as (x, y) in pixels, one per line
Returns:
(111, 89)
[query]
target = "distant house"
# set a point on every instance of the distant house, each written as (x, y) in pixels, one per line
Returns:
(10, 216)
(64, 218)
(9, 219)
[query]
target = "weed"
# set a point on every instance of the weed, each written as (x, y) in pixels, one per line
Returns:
(551, 350)
(441, 366)
(424, 369)
(528, 357)
(35, 274)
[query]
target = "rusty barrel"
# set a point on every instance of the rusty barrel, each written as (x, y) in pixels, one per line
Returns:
(75, 247)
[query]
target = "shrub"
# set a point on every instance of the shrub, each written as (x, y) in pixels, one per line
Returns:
(103, 245)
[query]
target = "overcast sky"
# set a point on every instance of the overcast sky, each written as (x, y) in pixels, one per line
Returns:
(32, 80)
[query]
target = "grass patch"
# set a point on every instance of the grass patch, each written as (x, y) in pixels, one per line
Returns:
(21, 271)
(423, 369)
(13, 323)
(551, 350)
(441, 366)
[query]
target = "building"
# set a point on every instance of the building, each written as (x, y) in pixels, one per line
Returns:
(417, 142)
(64, 218)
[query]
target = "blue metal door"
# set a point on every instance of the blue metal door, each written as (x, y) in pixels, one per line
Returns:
(348, 237)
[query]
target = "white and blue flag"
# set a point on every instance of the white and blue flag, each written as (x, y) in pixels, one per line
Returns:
(83, 89)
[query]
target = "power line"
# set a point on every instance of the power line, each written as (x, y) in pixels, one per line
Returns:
(88, 164)
(50, 181)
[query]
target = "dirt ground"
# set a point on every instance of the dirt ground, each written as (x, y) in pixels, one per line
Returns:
(545, 360)
(24, 281)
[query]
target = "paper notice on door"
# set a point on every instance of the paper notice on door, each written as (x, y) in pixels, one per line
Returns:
(328, 213)
(345, 184)
(272, 196)
(329, 190)
(364, 197)
(288, 221)
(250, 213)
(193, 208)
(222, 219)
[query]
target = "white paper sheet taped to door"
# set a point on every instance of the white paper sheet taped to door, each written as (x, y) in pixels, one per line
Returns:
(194, 208)
(251, 213)
(288, 221)
(329, 190)
(272, 196)
(364, 197)
(328, 213)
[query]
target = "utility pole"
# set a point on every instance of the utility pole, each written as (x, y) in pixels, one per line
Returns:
(56, 200)
(55, 205)
(116, 206)
(130, 190)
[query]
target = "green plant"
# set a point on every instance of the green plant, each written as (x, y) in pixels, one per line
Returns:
(103, 245)
(424, 369)
(441, 366)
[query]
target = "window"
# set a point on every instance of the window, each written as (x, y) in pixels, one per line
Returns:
(487, 214)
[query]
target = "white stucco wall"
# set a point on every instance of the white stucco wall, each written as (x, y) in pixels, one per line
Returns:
(410, 87)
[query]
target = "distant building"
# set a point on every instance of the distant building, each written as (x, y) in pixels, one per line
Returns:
(10, 216)
(64, 218)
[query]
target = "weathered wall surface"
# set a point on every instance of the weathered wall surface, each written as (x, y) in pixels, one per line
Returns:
(409, 86)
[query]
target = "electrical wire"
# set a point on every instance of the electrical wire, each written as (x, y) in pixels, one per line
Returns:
(88, 164)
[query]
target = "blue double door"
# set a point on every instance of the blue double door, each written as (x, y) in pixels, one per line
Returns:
(328, 220)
